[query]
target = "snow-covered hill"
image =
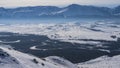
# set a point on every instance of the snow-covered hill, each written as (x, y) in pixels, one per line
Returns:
(10, 58)
(102, 62)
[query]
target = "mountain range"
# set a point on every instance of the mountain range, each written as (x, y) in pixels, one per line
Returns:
(73, 10)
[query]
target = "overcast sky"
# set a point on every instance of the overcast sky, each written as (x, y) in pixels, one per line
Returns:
(18, 3)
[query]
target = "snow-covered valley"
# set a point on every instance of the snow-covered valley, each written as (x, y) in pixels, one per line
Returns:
(99, 30)
(82, 45)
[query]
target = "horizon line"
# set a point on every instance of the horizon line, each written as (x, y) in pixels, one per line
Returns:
(59, 6)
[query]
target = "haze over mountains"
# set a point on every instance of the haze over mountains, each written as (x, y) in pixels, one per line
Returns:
(73, 10)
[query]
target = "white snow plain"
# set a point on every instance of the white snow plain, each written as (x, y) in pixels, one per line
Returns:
(70, 32)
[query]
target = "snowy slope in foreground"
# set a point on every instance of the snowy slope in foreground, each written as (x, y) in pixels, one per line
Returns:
(10, 58)
(20, 60)
(102, 62)
(70, 32)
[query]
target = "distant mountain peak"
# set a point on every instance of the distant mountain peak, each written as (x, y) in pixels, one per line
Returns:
(74, 5)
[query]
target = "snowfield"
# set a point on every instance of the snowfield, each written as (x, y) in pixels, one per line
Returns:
(70, 32)
(102, 62)
(22, 60)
